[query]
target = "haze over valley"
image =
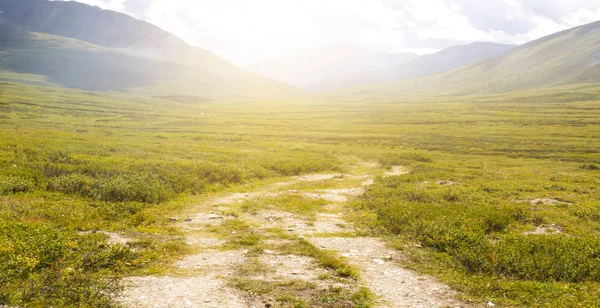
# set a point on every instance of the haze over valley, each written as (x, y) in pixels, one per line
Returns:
(284, 153)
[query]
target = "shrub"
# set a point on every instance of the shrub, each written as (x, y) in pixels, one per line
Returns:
(461, 221)
(52, 267)
(122, 210)
(590, 166)
(549, 258)
(448, 234)
(15, 184)
(589, 210)
(71, 184)
(126, 188)
(498, 219)
(403, 159)
(144, 189)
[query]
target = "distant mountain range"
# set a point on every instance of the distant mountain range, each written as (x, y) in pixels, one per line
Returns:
(309, 66)
(568, 57)
(80, 46)
(426, 65)
(66, 43)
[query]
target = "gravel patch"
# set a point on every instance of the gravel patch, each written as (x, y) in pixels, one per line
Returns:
(309, 178)
(446, 183)
(330, 223)
(369, 164)
(179, 292)
(396, 287)
(368, 182)
(335, 195)
(204, 219)
(241, 197)
(291, 267)
(316, 177)
(324, 223)
(113, 238)
(327, 197)
(396, 170)
(548, 201)
(213, 260)
(204, 242)
(278, 219)
(545, 229)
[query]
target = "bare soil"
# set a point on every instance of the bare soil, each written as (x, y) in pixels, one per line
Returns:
(395, 286)
(180, 292)
(546, 229)
(204, 280)
(113, 238)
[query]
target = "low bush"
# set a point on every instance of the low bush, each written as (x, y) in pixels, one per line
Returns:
(548, 258)
(404, 159)
(590, 166)
(73, 183)
(146, 189)
(472, 226)
(15, 184)
(58, 268)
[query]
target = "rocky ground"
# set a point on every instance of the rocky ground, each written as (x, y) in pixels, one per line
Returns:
(255, 251)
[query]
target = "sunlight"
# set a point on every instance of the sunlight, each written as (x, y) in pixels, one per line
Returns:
(299, 153)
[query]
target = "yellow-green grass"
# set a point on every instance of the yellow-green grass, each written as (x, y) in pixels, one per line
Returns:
(72, 161)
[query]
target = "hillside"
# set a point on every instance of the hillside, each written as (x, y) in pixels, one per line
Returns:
(138, 171)
(441, 61)
(309, 66)
(61, 41)
(568, 57)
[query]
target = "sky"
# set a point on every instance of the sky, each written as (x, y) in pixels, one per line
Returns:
(248, 31)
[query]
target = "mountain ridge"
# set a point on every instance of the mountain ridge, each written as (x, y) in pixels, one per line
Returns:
(119, 61)
(307, 66)
(81, 21)
(567, 57)
(444, 60)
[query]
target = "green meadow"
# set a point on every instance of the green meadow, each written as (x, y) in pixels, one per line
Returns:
(501, 202)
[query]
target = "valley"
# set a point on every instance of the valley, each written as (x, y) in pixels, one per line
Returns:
(474, 177)
(140, 170)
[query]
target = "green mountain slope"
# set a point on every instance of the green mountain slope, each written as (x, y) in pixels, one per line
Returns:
(82, 22)
(445, 60)
(145, 58)
(568, 57)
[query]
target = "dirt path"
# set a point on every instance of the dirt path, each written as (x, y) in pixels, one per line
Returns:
(282, 245)
(396, 287)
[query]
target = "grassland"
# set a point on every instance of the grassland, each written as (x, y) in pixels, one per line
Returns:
(77, 161)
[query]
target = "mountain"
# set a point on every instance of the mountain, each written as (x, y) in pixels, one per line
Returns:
(441, 61)
(79, 46)
(10, 35)
(567, 57)
(305, 67)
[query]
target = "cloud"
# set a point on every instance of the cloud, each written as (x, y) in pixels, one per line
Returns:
(247, 31)
(494, 16)
(581, 16)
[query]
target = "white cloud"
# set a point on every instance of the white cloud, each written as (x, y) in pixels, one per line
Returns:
(246, 31)
(581, 16)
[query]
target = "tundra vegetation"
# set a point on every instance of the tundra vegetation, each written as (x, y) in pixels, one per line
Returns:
(501, 202)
